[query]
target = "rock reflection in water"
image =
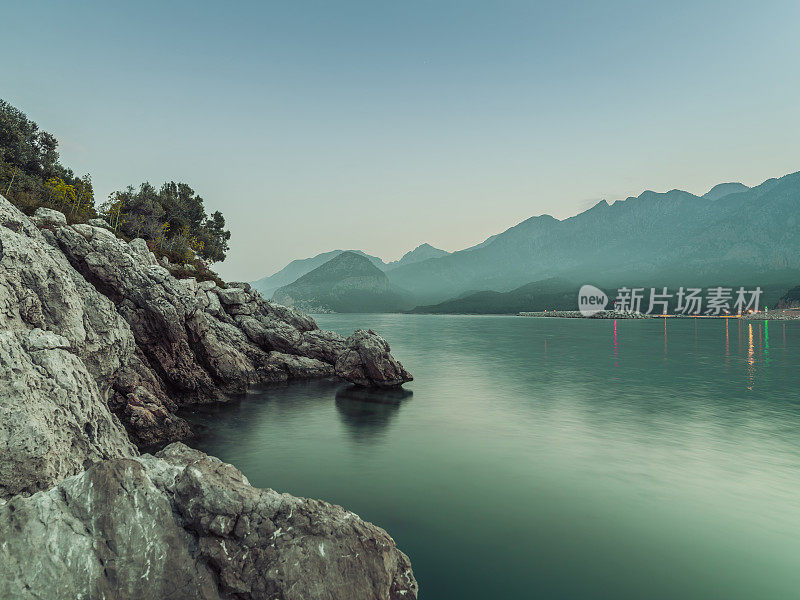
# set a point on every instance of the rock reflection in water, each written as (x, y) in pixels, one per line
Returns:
(368, 412)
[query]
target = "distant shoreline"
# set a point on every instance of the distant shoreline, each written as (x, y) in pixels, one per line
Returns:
(772, 315)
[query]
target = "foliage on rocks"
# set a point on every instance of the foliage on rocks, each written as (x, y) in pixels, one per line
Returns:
(31, 175)
(172, 219)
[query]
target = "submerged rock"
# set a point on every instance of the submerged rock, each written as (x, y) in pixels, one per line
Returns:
(184, 525)
(366, 361)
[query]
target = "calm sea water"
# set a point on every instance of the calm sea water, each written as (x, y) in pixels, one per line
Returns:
(555, 458)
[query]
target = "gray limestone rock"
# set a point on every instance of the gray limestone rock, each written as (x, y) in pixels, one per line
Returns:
(183, 525)
(99, 223)
(154, 342)
(367, 362)
(45, 217)
(53, 421)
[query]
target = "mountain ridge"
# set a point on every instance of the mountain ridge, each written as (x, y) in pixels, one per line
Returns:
(550, 294)
(297, 268)
(671, 235)
(732, 232)
(348, 282)
(422, 252)
(725, 189)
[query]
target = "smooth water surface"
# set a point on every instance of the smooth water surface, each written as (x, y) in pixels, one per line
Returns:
(555, 458)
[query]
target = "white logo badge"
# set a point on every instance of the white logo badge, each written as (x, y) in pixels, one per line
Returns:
(591, 300)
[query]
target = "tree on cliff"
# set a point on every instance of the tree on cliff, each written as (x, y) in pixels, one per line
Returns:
(30, 173)
(173, 218)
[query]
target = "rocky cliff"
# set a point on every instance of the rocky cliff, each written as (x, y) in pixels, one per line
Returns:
(192, 342)
(99, 346)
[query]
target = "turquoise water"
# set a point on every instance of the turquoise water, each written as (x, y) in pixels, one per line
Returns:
(555, 458)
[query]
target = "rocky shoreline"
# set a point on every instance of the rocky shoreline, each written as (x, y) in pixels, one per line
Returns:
(101, 345)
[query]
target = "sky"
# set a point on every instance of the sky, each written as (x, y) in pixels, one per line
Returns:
(381, 125)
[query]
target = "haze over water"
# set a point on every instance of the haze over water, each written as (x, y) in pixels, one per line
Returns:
(554, 458)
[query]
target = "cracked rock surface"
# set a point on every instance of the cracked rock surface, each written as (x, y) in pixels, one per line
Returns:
(183, 525)
(61, 344)
(367, 362)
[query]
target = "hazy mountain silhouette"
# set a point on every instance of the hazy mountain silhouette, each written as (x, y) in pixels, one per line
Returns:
(733, 234)
(297, 268)
(560, 294)
(418, 254)
(790, 299)
(349, 282)
(550, 294)
(724, 189)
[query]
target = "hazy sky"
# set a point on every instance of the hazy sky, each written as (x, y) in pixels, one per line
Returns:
(381, 125)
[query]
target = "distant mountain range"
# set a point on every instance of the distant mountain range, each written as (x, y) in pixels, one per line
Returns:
(732, 234)
(791, 299)
(418, 254)
(550, 294)
(724, 189)
(748, 235)
(349, 282)
(297, 268)
(560, 294)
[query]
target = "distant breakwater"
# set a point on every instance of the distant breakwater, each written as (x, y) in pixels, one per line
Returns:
(575, 314)
(771, 315)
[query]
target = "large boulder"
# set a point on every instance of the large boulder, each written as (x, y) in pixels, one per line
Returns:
(183, 525)
(47, 217)
(189, 348)
(366, 361)
(40, 288)
(99, 223)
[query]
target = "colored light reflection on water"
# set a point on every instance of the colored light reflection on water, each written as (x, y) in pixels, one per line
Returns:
(602, 471)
